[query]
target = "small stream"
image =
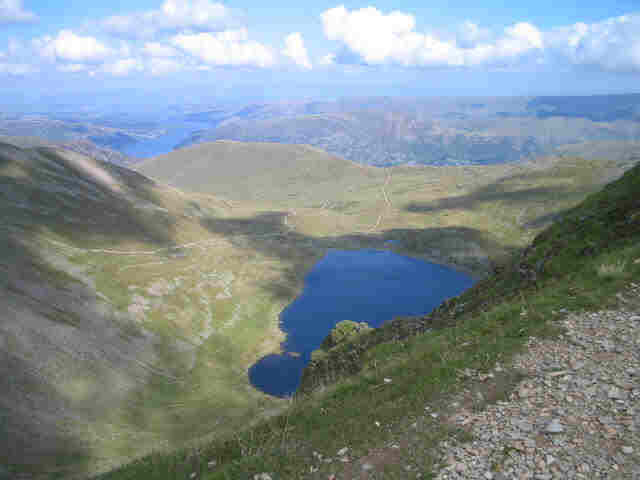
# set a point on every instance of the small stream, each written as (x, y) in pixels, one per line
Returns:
(369, 286)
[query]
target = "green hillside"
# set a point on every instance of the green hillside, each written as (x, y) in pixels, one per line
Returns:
(128, 321)
(268, 172)
(385, 377)
(465, 215)
(131, 309)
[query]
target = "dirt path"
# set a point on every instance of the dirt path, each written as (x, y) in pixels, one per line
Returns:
(388, 203)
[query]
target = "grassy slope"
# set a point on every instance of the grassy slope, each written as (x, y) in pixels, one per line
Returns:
(166, 311)
(269, 172)
(166, 268)
(566, 268)
(456, 215)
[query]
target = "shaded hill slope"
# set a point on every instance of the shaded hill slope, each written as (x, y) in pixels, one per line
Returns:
(125, 321)
(388, 377)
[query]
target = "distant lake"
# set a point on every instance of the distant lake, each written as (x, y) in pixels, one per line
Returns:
(176, 134)
(363, 286)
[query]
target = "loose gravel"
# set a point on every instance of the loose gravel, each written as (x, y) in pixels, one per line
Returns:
(576, 415)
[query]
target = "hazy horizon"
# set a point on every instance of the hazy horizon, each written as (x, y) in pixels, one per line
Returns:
(158, 52)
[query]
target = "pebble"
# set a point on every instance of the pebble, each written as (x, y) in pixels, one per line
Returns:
(366, 467)
(579, 396)
(554, 427)
(262, 476)
(343, 451)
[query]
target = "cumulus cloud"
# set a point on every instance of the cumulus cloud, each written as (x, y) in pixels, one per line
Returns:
(373, 37)
(296, 51)
(231, 47)
(17, 69)
(379, 38)
(12, 11)
(172, 15)
(155, 49)
(72, 67)
(470, 34)
(613, 44)
(121, 68)
(67, 46)
(327, 60)
(164, 66)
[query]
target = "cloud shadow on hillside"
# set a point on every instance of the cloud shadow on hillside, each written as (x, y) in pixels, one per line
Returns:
(41, 191)
(513, 190)
(267, 234)
(55, 195)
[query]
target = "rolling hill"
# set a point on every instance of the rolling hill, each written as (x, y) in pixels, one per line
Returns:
(132, 308)
(463, 215)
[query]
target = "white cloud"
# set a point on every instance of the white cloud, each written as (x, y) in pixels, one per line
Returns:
(163, 66)
(373, 37)
(380, 38)
(296, 51)
(12, 11)
(328, 59)
(122, 67)
(155, 49)
(231, 47)
(172, 15)
(17, 69)
(470, 34)
(67, 46)
(613, 44)
(72, 67)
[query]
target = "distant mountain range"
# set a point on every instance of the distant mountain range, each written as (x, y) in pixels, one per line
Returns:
(101, 137)
(431, 131)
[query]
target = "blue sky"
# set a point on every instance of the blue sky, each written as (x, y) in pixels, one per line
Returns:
(283, 48)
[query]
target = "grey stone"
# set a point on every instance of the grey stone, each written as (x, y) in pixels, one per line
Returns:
(616, 394)
(554, 427)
